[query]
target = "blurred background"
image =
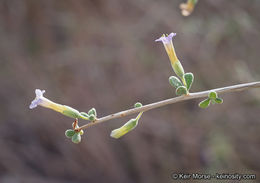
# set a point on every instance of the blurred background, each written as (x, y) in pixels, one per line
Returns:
(102, 54)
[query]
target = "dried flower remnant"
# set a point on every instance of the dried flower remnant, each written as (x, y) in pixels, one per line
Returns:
(188, 7)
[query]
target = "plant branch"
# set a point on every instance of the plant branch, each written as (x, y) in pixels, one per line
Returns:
(144, 108)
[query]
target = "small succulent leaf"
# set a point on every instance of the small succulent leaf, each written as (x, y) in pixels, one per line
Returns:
(205, 103)
(69, 133)
(92, 111)
(127, 127)
(189, 78)
(92, 117)
(138, 104)
(213, 95)
(219, 100)
(181, 90)
(76, 138)
(174, 81)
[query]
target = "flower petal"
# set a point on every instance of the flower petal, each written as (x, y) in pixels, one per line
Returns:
(160, 39)
(35, 103)
(38, 99)
(39, 93)
(166, 40)
(171, 35)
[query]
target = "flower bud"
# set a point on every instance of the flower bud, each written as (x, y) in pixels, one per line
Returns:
(187, 8)
(127, 127)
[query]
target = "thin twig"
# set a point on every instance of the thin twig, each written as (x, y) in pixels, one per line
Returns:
(228, 89)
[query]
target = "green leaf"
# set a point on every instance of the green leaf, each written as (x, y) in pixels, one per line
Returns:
(213, 95)
(92, 117)
(175, 82)
(127, 127)
(76, 138)
(181, 90)
(92, 111)
(189, 78)
(69, 133)
(205, 103)
(219, 100)
(138, 104)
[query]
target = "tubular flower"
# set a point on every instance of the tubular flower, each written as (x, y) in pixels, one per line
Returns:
(168, 45)
(44, 102)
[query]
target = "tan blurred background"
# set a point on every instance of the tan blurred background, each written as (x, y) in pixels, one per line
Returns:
(102, 54)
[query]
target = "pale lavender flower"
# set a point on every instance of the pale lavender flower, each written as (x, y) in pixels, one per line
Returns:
(168, 45)
(44, 102)
(166, 40)
(38, 99)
